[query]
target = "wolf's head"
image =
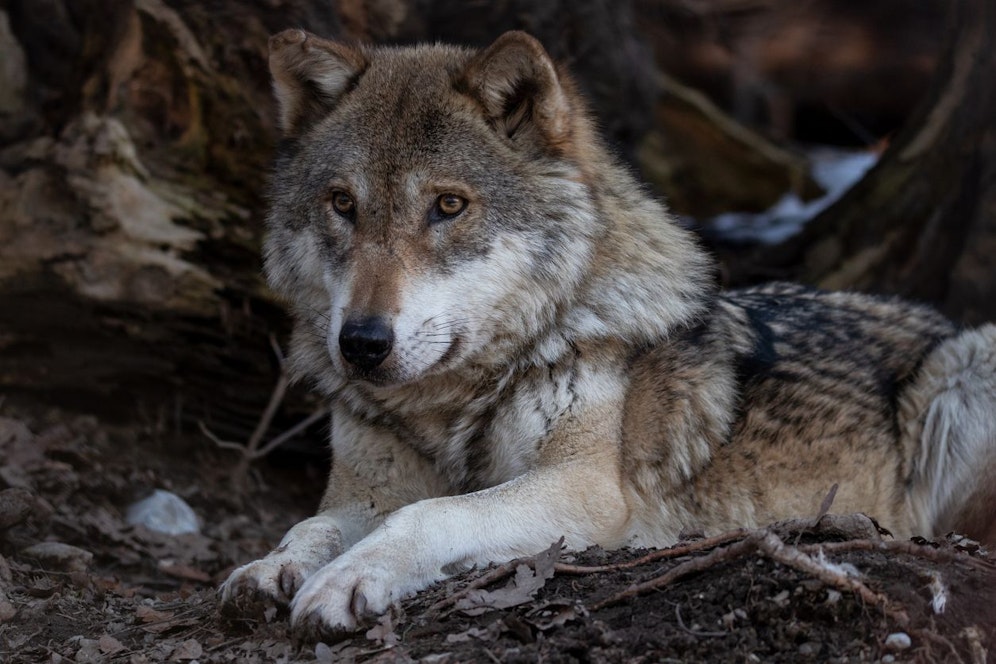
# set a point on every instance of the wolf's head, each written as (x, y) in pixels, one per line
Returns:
(431, 205)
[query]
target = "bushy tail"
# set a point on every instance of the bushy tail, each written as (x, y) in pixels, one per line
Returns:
(949, 413)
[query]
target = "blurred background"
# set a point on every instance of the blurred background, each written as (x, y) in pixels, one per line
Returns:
(841, 143)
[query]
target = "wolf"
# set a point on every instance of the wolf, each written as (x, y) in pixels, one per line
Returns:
(520, 344)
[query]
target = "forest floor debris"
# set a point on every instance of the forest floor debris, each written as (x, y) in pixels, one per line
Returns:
(79, 584)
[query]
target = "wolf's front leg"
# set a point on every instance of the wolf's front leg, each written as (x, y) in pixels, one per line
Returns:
(575, 495)
(372, 475)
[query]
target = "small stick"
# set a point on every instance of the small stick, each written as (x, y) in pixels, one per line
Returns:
(692, 566)
(769, 544)
(252, 450)
(688, 630)
(276, 397)
(664, 554)
(290, 433)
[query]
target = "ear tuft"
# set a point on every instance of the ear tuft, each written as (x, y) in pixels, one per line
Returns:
(310, 75)
(517, 83)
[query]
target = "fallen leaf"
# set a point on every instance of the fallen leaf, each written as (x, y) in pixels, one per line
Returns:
(383, 631)
(188, 650)
(489, 633)
(556, 614)
(182, 571)
(146, 614)
(530, 576)
(109, 645)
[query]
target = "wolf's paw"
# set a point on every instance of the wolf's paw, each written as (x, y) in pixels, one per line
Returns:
(363, 582)
(336, 598)
(276, 578)
(266, 581)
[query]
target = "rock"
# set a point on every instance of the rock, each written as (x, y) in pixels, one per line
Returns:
(5, 574)
(7, 610)
(898, 641)
(810, 649)
(15, 507)
(164, 512)
(59, 556)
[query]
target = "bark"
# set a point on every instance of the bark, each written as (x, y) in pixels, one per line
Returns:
(922, 223)
(137, 136)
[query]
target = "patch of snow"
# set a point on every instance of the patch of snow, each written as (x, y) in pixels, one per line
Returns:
(835, 170)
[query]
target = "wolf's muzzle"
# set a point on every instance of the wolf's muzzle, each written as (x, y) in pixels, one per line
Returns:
(366, 342)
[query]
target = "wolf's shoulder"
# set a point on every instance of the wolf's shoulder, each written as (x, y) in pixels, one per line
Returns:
(797, 331)
(795, 307)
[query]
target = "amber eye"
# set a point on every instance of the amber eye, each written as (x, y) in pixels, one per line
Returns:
(343, 203)
(450, 205)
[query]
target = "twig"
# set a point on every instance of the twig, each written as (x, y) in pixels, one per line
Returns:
(253, 449)
(790, 556)
(847, 523)
(692, 566)
(223, 444)
(663, 554)
(764, 541)
(290, 433)
(276, 397)
(688, 630)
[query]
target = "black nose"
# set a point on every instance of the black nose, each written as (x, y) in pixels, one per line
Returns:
(365, 342)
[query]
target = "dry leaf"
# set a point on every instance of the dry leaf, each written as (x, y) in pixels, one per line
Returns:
(188, 650)
(146, 614)
(109, 645)
(383, 631)
(529, 578)
(182, 571)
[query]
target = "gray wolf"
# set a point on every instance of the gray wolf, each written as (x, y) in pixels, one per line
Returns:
(520, 344)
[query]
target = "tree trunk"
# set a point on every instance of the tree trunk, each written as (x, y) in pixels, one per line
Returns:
(922, 222)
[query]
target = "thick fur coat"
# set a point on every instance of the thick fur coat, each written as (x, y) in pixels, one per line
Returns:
(520, 344)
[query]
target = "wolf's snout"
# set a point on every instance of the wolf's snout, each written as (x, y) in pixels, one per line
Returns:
(366, 342)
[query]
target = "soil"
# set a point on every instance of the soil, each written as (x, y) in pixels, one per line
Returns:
(121, 593)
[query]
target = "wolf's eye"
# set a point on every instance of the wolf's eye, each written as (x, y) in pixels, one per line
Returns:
(342, 203)
(449, 205)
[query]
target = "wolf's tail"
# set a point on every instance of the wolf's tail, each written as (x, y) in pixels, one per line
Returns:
(949, 417)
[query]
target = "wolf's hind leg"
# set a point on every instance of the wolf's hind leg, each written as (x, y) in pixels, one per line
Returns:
(948, 420)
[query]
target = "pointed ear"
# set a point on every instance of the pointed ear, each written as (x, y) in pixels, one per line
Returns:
(310, 75)
(517, 84)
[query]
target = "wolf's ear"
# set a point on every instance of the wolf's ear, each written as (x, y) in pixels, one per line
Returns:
(310, 74)
(517, 83)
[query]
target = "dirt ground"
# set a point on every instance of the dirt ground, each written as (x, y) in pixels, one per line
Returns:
(77, 583)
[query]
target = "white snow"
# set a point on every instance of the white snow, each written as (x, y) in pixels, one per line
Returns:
(835, 170)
